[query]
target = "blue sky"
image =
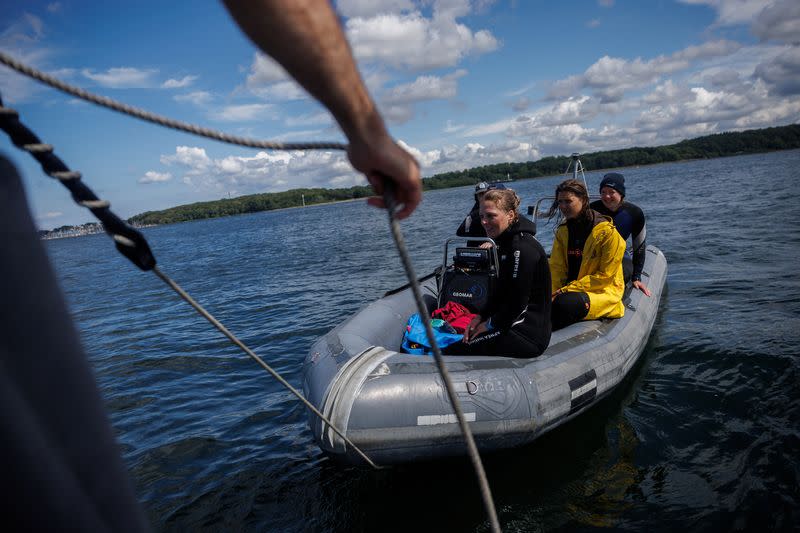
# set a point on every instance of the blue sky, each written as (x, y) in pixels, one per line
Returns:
(461, 84)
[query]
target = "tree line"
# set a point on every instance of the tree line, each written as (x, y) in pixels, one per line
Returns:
(707, 147)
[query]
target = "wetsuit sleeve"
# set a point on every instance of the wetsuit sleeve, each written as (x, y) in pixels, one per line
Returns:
(471, 223)
(558, 260)
(612, 249)
(638, 244)
(517, 276)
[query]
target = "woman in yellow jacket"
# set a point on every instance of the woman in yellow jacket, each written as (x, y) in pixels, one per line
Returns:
(586, 261)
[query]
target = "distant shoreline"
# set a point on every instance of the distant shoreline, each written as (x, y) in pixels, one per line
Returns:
(709, 147)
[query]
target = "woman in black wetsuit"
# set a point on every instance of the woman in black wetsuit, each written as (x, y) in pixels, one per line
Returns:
(517, 323)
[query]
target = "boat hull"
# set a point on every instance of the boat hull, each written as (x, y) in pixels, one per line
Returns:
(394, 406)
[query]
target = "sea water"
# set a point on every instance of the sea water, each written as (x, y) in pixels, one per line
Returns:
(704, 434)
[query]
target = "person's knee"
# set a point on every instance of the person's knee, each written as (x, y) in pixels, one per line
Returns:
(568, 308)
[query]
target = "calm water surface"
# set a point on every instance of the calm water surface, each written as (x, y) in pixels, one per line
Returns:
(704, 435)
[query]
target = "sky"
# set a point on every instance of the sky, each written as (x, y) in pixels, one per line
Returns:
(460, 84)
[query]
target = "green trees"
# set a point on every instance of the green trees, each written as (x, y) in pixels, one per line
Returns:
(718, 145)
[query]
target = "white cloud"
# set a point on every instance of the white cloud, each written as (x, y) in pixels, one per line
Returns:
(36, 24)
(397, 113)
(733, 12)
(54, 7)
(298, 134)
(412, 41)
(323, 118)
(452, 128)
(610, 77)
(173, 83)
(152, 176)
(425, 88)
(782, 73)
(779, 22)
(265, 70)
(268, 80)
(263, 172)
(397, 103)
(453, 157)
(198, 98)
(499, 126)
(521, 104)
(123, 77)
(370, 8)
(192, 157)
(50, 215)
(243, 113)
(23, 39)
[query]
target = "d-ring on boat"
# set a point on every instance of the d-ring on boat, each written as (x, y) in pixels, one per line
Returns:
(394, 405)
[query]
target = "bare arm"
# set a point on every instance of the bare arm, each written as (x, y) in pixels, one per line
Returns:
(305, 37)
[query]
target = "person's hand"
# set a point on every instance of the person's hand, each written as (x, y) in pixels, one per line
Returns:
(486, 245)
(642, 287)
(381, 158)
(475, 328)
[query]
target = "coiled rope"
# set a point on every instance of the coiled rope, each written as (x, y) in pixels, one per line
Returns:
(132, 244)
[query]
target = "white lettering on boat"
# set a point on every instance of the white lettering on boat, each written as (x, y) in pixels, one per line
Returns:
(585, 388)
(433, 420)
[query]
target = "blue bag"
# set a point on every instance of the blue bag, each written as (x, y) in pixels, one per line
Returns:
(415, 339)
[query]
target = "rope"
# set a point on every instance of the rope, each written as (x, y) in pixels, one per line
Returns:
(472, 449)
(127, 239)
(130, 242)
(217, 324)
(158, 119)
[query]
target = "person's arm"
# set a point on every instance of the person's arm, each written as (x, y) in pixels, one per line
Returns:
(639, 245)
(558, 260)
(516, 278)
(305, 37)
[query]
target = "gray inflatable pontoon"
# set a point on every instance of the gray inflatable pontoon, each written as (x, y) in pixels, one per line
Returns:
(394, 405)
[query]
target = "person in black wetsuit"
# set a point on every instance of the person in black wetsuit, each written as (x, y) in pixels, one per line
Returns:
(471, 225)
(517, 323)
(629, 221)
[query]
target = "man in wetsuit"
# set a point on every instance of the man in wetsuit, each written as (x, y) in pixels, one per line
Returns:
(60, 462)
(629, 221)
(471, 225)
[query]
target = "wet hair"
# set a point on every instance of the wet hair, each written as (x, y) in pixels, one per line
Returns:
(505, 199)
(577, 188)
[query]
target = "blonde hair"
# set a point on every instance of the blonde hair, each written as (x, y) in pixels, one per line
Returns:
(505, 199)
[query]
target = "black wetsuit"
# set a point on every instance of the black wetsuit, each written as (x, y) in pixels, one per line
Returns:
(629, 221)
(519, 313)
(471, 225)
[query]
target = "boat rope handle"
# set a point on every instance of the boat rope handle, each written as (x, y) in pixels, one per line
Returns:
(128, 240)
(109, 103)
(472, 449)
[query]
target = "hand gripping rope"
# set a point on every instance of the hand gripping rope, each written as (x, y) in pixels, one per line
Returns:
(132, 244)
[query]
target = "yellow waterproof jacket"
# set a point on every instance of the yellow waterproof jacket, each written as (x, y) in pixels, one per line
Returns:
(600, 275)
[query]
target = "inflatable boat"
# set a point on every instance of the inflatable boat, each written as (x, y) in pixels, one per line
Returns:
(394, 406)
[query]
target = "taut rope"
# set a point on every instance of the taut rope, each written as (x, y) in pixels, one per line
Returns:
(133, 245)
(158, 119)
